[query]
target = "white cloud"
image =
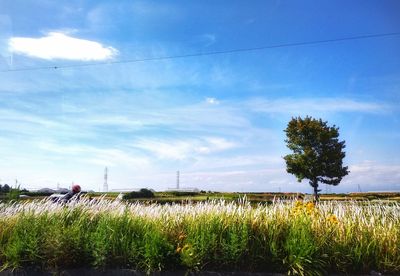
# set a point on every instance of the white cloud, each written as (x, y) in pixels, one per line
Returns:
(240, 161)
(242, 180)
(60, 46)
(371, 175)
(175, 150)
(11, 117)
(96, 155)
(219, 144)
(305, 106)
(212, 101)
(182, 149)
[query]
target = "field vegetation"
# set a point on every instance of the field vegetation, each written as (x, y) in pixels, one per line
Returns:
(292, 237)
(256, 198)
(184, 197)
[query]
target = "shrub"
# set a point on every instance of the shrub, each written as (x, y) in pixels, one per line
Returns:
(142, 193)
(184, 193)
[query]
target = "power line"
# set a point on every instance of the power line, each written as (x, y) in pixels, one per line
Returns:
(231, 51)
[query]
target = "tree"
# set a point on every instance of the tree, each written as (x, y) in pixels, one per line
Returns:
(317, 152)
(5, 189)
(143, 193)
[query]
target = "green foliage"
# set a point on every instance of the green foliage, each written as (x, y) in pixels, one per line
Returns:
(301, 249)
(142, 193)
(5, 189)
(297, 239)
(184, 193)
(8, 193)
(14, 194)
(201, 244)
(317, 152)
(22, 246)
(34, 194)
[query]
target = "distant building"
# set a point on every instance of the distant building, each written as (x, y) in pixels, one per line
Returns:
(129, 190)
(126, 190)
(187, 189)
(46, 191)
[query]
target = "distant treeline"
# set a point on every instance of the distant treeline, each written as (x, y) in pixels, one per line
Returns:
(5, 189)
(184, 193)
(37, 193)
(376, 195)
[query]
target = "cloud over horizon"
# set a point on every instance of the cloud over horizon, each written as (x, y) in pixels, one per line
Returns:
(307, 105)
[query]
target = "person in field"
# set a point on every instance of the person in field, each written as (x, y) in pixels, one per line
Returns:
(75, 190)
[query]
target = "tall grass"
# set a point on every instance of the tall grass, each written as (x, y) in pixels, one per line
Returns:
(290, 237)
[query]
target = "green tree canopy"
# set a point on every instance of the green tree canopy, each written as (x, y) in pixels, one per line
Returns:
(5, 189)
(317, 152)
(143, 193)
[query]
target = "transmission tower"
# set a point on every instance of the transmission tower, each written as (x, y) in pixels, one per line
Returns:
(105, 186)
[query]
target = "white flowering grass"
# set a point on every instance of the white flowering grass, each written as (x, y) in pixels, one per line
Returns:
(292, 237)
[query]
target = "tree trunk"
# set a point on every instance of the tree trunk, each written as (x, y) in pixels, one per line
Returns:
(315, 186)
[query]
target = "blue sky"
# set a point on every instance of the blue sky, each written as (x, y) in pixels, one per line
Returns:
(219, 119)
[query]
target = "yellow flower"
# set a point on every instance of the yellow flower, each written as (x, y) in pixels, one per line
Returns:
(332, 219)
(298, 204)
(310, 206)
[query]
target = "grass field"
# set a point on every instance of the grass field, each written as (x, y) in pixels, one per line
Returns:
(254, 198)
(290, 237)
(266, 197)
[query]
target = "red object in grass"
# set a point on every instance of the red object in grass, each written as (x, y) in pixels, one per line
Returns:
(76, 189)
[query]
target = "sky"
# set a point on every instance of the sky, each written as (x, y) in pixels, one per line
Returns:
(218, 119)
